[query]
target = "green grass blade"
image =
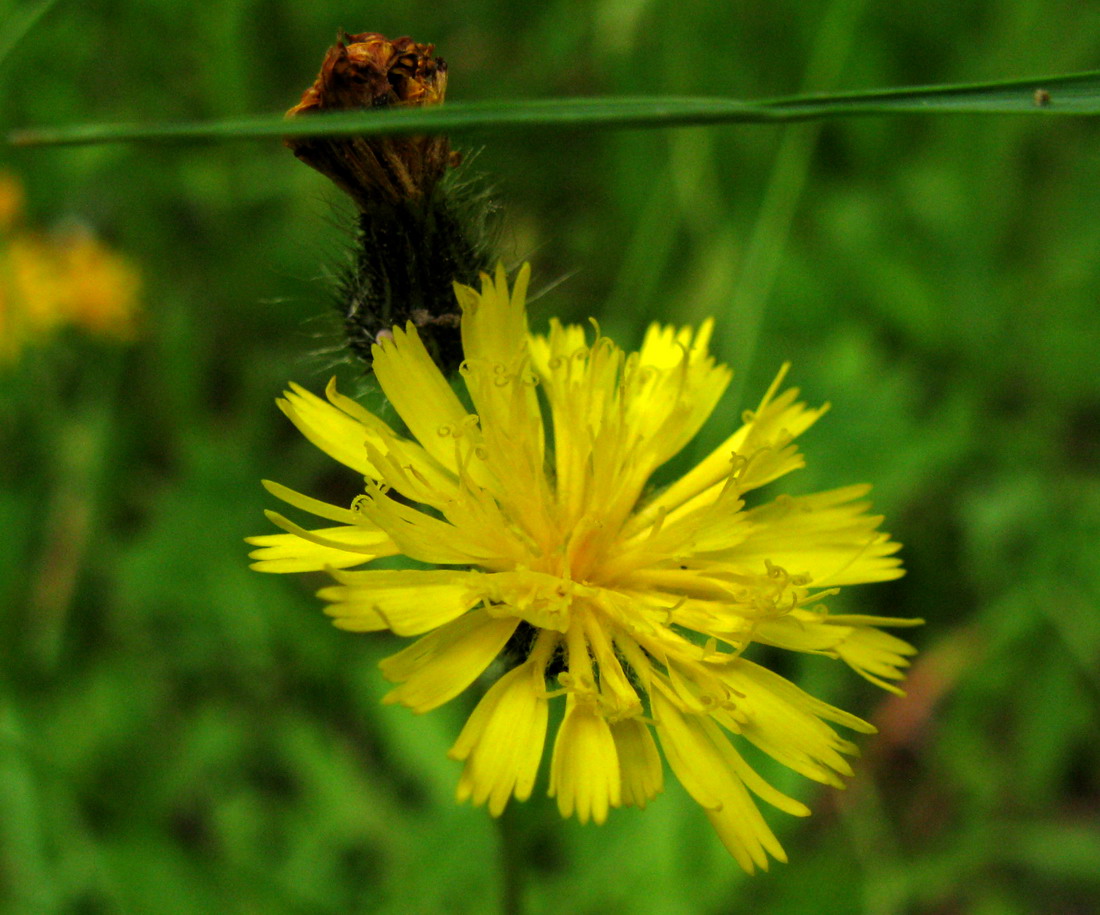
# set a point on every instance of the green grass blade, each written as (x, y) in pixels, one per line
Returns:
(1074, 93)
(1077, 94)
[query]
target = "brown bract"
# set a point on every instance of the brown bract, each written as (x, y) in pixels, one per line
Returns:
(369, 70)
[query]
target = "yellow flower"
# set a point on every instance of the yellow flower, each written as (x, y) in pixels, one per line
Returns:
(11, 200)
(556, 557)
(66, 278)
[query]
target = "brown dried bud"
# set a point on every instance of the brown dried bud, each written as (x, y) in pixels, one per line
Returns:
(369, 70)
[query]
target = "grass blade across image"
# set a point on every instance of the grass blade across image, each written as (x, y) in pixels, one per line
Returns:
(1070, 94)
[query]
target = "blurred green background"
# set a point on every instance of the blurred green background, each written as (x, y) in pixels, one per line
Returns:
(179, 734)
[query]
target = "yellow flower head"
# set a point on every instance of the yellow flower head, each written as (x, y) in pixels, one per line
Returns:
(552, 552)
(48, 282)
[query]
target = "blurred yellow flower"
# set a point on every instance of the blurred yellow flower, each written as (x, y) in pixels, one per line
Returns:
(11, 200)
(66, 278)
(562, 571)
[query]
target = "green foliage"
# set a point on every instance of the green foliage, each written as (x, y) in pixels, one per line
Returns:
(179, 734)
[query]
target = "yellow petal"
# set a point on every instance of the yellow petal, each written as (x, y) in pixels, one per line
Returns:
(799, 632)
(313, 506)
(340, 436)
(693, 748)
(420, 394)
(689, 752)
(501, 384)
(428, 539)
(548, 353)
(756, 784)
(494, 323)
(396, 458)
(875, 655)
(639, 762)
(782, 720)
(331, 547)
(744, 833)
(502, 740)
(435, 669)
(671, 388)
(799, 698)
(584, 771)
(828, 536)
(776, 421)
(405, 602)
(618, 697)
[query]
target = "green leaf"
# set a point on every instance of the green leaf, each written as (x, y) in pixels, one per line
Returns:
(1077, 93)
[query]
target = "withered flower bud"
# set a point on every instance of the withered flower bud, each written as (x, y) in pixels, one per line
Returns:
(369, 70)
(419, 228)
